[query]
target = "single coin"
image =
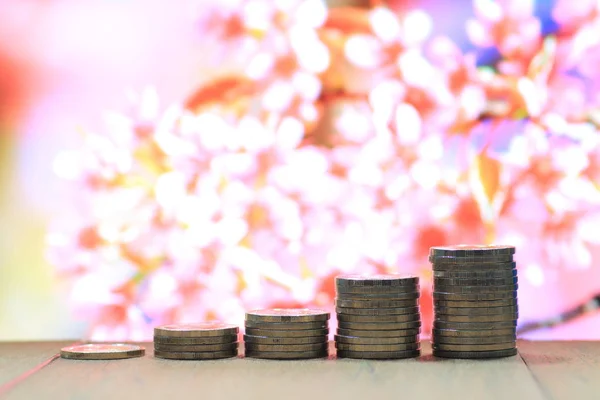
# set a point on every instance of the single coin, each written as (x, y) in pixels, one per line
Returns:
(473, 347)
(475, 274)
(379, 340)
(283, 355)
(377, 347)
(210, 355)
(200, 329)
(379, 318)
(288, 325)
(473, 326)
(286, 347)
(475, 304)
(471, 250)
(284, 341)
(399, 334)
(475, 281)
(475, 354)
(485, 333)
(98, 351)
(379, 296)
(376, 303)
(376, 280)
(199, 340)
(457, 289)
(287, 315)
(287, 333)
(476, 311)
(378, 355)
(444, 295)
(477, 318)
(388, 326)
(473, 340)
(377, 311)
(195, 348)
(342, 291)
(472, 263)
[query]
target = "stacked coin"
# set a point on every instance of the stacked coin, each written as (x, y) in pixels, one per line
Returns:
(378, 316)
(200, 341)
(475, 301)
(286, 334)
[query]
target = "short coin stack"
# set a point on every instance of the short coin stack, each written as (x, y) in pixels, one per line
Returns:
(102, 351)
(378, 316)
(475, 301)
(200, 341)
(286, 334)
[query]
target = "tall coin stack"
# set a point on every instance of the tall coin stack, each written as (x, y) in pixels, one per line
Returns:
(201, 341)
(287, 334)
(475, 301)
(378, 316)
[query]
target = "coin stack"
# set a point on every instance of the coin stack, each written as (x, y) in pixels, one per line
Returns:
(286, 334)
(200, 341)
(475, 301)
(378, 316)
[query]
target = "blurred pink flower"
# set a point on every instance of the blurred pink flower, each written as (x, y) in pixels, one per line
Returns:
(348, 141)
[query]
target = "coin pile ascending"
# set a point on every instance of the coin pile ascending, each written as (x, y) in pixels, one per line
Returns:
(378, 316)
(286, 334)
(200, 341)
(475, 301)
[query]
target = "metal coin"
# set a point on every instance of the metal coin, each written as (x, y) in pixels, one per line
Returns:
(288, 325)
(377, 347)
(475, 304)
(376, 280)
(378, 318)
(438, 287)
(286, 347)
(342, 291)
(285, 341)
(476, 318)
(474, 340)
(201, 329)
(282, 355)
(379, 296)
(378, 355)
(444, 295)
(343, 303)
(287, 333)
(98, 351)
(380, 340)
(211, 355)
(475, 354)
(287, 315)
(475, 281)
(368, 334)
(469, 250)
(377, 311)
(476, 311)
(472, 263)
(195, 348)
(390, 326)
(474, 326)
(468, 334)
(473, 347)
(199, 340)
(475, 274)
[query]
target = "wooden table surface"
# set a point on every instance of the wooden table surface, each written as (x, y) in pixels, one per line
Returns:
(543, 370)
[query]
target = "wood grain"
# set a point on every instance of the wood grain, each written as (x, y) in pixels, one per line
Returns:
(152, 378)
(17, 358)
(565, 370)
